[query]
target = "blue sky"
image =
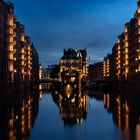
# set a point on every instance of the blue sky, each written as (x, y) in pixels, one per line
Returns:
(57, 24)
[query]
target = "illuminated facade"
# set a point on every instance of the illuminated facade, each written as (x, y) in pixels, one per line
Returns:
(120, 56)
(107, 66)
(18, 57)
(40, 72)
(74, 60)
(126, 52)
(10, 42)
(19, 52)
(23, 63)
(29, 58)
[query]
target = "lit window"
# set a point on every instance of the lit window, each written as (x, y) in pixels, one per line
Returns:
(22, 37)
(11, 21)
(11, 67)
(138, 21)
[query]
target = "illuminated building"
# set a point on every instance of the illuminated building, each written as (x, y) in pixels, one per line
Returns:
(120, 56)
(10, 42)
(126, 52)
(18, 57)
(19, 53)
(29, 57)
(74, 60)
(26, 58)
(23, 63)
(40, 72)
(107, 66)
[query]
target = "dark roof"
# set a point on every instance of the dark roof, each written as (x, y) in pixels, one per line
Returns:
(74, 54)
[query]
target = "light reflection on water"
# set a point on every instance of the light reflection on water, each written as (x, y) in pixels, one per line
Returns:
(52, 115)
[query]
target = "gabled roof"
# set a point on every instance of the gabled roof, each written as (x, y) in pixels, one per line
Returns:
(74, 54)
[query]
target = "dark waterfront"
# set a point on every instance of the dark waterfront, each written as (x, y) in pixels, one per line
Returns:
(51, 115)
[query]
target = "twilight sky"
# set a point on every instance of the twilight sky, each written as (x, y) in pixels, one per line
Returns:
(57, 24)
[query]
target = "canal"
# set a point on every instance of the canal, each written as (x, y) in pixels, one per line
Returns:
(39, 115)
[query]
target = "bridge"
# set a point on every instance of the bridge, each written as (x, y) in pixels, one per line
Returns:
(47, 81)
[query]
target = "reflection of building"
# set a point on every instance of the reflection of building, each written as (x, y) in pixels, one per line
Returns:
(74, 60)
(73, 109)
(18, 57)
(17, 118)
(95, 71)
(126, 52)
(125, 112)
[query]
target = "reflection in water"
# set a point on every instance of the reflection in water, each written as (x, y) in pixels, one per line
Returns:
(40, 87)
(126, 113)
(72, 105)
(45, 86)
(17, 116)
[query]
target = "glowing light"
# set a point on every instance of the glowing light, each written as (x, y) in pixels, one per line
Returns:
(78, 121)
(72, 79)
(73, 100)
(138, 21)
(16, 117)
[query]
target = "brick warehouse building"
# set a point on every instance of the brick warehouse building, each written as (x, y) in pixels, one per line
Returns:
(19, 60)
(125, 62)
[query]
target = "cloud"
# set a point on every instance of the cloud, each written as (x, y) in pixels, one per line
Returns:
(57, 24)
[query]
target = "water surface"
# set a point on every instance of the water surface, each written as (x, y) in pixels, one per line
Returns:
(43, 115)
